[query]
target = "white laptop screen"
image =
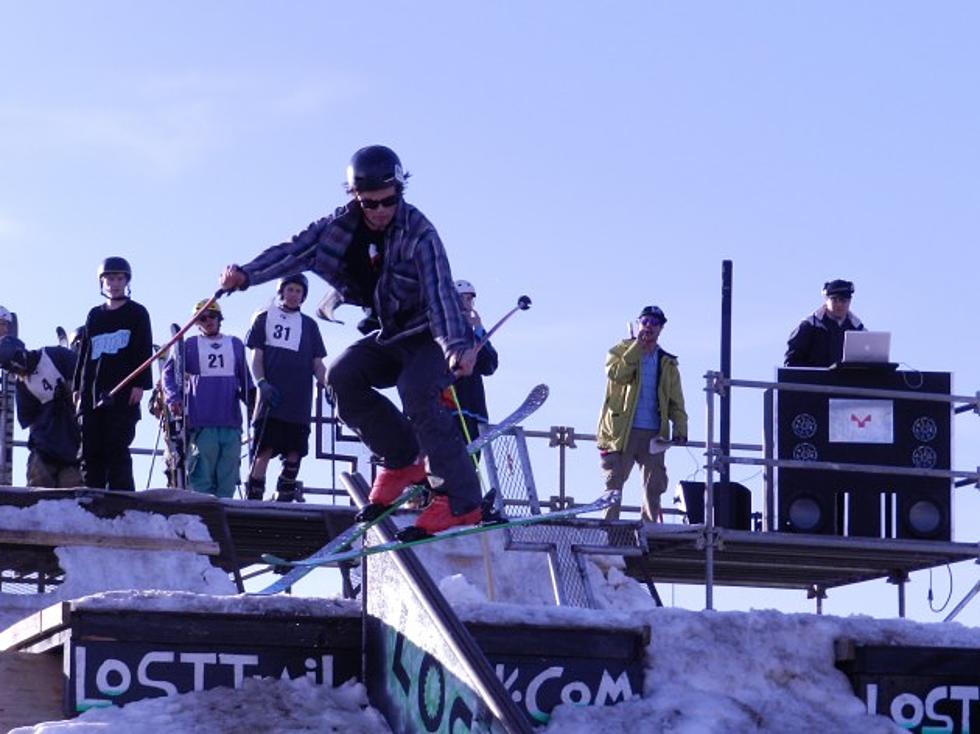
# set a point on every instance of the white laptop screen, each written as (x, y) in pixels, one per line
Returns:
(866, 346)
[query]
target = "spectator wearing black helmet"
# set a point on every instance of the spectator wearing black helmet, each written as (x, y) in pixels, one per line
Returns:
(819, 339)
(287, 355)
(644, 401)
(44, 407)
(117, 339)
(379, 252)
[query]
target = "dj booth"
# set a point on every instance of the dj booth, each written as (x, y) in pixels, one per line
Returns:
(880, 432)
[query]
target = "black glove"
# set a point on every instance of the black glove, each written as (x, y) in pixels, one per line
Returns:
(269, 392)
(368, 324)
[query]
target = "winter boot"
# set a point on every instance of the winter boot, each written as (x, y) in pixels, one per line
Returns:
(388, 486)
(285, 490)
(438, 516)
(254, 488)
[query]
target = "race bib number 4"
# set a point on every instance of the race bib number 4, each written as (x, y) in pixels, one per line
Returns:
(283, 329)
(45, 379)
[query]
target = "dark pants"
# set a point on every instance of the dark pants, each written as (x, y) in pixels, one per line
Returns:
(417, 368)
(106, 436)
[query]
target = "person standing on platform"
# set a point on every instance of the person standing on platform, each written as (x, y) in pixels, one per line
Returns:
(216, 384)
(819, 339)
(117, 340)
(644, 401)
(287, 356)
(45, 408)
(469, 390)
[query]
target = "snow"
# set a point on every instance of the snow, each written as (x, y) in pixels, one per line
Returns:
(90, 569)
(70, 515)
(259, 706)
(705, 672)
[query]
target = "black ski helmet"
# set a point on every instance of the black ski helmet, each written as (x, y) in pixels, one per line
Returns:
(298, 279)
(13, 354)
(375, 167)
(115, 265)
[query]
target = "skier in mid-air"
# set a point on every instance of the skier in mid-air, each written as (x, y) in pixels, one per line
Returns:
(381, 253)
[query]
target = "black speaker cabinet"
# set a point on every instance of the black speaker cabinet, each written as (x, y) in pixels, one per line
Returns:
(894, 431)
(733, 504)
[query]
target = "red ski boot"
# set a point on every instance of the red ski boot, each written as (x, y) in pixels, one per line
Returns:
(388, 486)
(438, 516)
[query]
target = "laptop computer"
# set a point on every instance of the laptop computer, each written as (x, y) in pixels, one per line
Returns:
(866, 349)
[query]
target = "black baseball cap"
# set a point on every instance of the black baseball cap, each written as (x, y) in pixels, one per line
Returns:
(838, 287)
(654, 311)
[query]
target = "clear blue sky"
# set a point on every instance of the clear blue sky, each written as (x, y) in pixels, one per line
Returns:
(597, 157)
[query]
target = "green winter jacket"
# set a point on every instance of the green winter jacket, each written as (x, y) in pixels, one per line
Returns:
(623, 391)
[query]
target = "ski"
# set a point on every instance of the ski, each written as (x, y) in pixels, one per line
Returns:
(175, 425)
(354, 554)
(534, 400)
(62, 336)
(336, 545)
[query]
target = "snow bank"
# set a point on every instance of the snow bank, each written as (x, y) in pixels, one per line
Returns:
(259, 706)
(91, 569)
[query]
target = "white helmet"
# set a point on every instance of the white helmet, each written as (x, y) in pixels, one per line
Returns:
(464, 286)
(5, 315)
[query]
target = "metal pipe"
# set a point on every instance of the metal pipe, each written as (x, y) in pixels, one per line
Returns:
(768, 452)
(709, 491)
(725, 404)
(842, 466)
(866, 392)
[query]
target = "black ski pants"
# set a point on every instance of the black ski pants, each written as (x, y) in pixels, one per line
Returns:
(106, 436)
(416, 367)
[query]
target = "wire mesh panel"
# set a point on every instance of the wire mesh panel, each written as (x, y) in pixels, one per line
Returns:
(509, 471)
(568, 544)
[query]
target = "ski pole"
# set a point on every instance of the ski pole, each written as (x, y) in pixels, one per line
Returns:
(485, 547)
(523, 304)
(156, 450)
(173, 340)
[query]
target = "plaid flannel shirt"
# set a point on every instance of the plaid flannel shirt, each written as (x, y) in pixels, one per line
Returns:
(415, 290)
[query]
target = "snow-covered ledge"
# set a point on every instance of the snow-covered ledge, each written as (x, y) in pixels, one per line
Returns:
(136, 550)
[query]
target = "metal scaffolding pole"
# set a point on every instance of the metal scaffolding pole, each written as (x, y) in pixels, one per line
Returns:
(709, 491)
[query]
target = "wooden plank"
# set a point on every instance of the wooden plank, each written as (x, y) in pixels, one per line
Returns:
(39, 625)
(31, 689)
(44, 538)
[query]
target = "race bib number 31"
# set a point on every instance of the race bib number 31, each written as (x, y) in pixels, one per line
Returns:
(283, 330)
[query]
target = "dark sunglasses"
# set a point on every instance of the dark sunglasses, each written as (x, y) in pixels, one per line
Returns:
(206, 316)
(377, 203)
(649, 321)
